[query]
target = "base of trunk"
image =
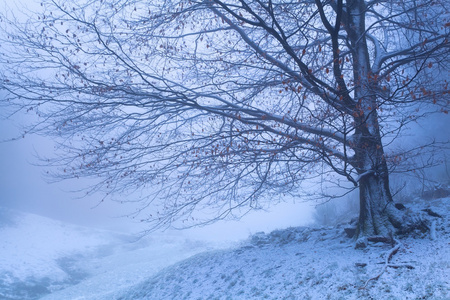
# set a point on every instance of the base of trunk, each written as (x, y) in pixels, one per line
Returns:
(378, 215)
(382, 222)
(381, 218)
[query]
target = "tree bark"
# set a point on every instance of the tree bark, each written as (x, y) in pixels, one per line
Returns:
(378, 216)
(377, 212)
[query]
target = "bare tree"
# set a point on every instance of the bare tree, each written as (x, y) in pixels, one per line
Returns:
(222, 105)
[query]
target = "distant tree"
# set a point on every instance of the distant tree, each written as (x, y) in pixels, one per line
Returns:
(222, 105)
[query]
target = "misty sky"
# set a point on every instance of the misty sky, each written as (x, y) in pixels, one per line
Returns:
(23, 187)
(22, 184)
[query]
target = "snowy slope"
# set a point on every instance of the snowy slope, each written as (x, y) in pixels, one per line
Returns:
(130, 264)
(36, 253)
(39, 256)
(47, 259)
(306, 263)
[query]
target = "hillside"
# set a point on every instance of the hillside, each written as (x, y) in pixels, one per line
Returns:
(42, 258)
(47, 259)
(311, 263)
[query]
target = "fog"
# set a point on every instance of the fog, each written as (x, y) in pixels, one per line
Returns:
(59, 242)
(23, 186)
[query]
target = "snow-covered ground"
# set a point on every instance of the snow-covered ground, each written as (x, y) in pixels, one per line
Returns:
(49, 259)
(308, 263)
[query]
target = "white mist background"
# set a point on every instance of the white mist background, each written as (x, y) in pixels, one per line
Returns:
(22, 184)
(24, 187)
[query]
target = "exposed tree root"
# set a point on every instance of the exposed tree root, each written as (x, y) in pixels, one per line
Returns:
(421, 221)
(389, 256)
(432, 213)
(382, 239)
(411, 222)
(400, 266)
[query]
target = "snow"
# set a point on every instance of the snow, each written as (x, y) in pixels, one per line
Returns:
(293, 263)
(31, 247)
(41, 257)
(305, 263)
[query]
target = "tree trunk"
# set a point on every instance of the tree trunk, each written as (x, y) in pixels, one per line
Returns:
(377, 216)
(377, 213)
